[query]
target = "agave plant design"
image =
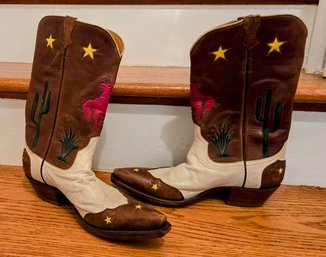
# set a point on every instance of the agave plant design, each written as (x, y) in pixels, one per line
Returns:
(68, 145)
(221, 140)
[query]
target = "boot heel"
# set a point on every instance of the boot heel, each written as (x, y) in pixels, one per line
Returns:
(48, 193)
(247, 197)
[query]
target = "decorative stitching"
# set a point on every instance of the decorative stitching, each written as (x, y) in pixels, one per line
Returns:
(220, 53)
(43, 110)
(68, 145)
(97, 107)
(221, 139)
(49, 41)
(201, 103)
(264, 117)
(275, 45)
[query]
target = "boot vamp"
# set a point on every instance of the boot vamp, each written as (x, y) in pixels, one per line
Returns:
(198, 174)
(98, 203)
(83, 189)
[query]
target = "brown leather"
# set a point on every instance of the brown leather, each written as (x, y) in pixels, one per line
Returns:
(276, 71)
(273, 174)
(73, 79)
(68, 27)
(142, 180)
(250, 26)
(131, 216)
(46, 67)
(249, 72)
(26, 163)
(221, 79)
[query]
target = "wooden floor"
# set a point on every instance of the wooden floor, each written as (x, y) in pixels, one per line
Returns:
(292, 223)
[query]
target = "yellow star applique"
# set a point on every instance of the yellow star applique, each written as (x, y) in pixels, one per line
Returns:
(108, 220)
(50, 41)
(89, 51)
(275, 45)
(219, 53)
(138, 206)
(154, 187)
(136, 170)
(280, 170)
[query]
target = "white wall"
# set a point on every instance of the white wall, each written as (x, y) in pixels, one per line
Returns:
(154, 35)
(152, 136)
(317, 50)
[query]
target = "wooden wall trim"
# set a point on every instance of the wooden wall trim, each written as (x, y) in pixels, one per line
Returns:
(165, 2)
(157, 85)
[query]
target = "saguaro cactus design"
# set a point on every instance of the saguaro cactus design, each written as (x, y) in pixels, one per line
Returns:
(264, 117)
(42, 110)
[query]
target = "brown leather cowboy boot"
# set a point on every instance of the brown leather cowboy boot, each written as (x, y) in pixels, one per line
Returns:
(74, 69)
(244, 76)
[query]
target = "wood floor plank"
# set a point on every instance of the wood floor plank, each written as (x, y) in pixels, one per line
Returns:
(291, 223)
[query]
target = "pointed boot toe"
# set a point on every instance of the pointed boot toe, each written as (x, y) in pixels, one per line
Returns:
(130, 221)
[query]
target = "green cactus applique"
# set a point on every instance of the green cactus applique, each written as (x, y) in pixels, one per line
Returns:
(42, 110)
(68, 145)
(221, 139)
(264, 117)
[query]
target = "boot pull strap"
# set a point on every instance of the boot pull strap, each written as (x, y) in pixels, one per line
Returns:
(68, 27)
(251, 25)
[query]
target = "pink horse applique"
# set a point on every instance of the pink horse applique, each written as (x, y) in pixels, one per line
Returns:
(98, 105)
(201, 103)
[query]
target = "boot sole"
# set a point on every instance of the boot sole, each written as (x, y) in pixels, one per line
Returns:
(54, 196)
(235, 196)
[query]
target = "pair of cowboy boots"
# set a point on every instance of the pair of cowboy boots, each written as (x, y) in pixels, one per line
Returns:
(243, 80)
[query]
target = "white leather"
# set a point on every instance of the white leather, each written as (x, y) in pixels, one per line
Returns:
(79, 183)
(199, 173)
(35, 164)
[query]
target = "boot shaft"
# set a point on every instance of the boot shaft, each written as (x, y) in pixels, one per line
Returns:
(243, 80)
(74, 69)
